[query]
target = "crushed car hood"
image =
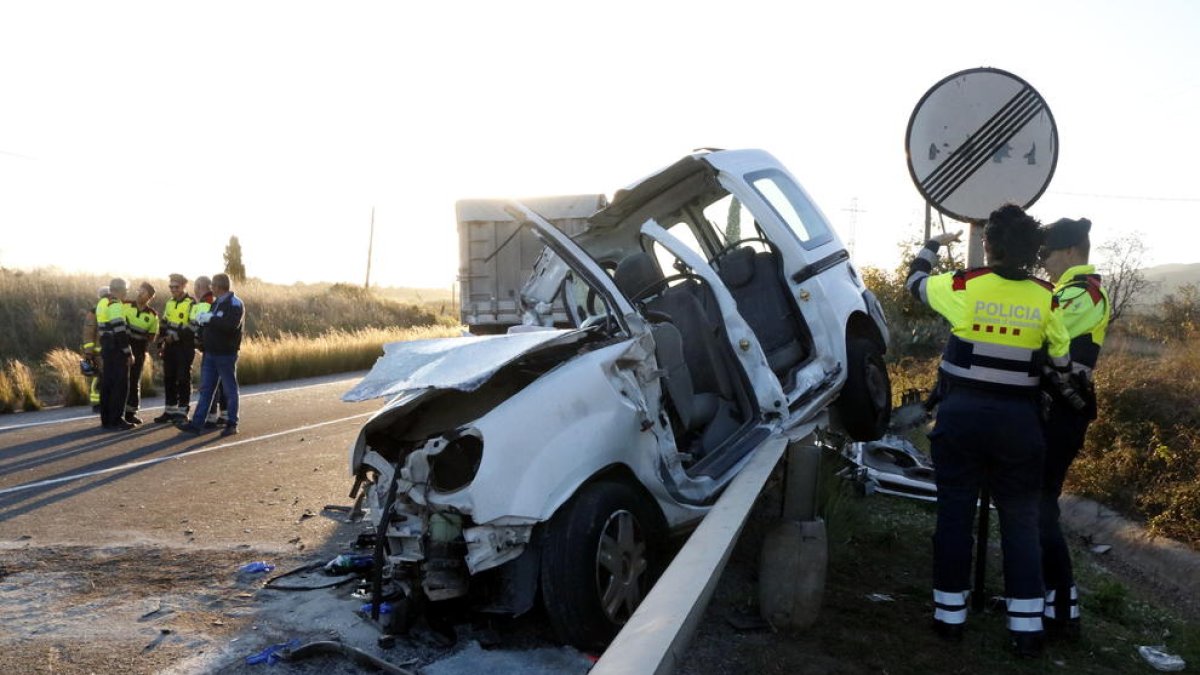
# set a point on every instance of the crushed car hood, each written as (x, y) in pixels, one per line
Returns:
(463, 363)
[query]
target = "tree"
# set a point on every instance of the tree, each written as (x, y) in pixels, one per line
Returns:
(1122, 260)
(233, 260)
(733, 228)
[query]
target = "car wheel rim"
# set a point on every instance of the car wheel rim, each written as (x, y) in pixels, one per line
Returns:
(620, 566)
(877, 387)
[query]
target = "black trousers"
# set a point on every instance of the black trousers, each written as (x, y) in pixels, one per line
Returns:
(1065, 431)
(134, 399)
(177, 373)
(114, 386)
(994, 440)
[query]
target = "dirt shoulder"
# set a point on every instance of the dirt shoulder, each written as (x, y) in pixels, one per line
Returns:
(877, 608)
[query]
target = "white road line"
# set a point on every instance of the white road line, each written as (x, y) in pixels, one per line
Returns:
(93, 416)
(156, 460)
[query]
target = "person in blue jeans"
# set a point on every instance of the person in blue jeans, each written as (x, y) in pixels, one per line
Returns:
(223, 325)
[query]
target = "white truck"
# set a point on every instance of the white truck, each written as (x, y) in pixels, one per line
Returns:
(496, 256)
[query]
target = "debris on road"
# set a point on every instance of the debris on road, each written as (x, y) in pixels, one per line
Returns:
(271, 654)
(161, 610)
(892, 466)
(257, 567)
(354, 654)
(1160, 660)
(880, 597)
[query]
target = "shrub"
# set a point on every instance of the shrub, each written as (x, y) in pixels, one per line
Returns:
(17, 388)
(337, 351)
(149, 387)
(1142, 456)
(65, 380)
(43, 310)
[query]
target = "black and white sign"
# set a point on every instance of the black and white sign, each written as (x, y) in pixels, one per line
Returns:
(979, 139)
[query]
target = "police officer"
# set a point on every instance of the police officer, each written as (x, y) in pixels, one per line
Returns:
(1085, 310)
(116, 356)
(90, 348)
(142, 322)
(988, 430)
(178, 344)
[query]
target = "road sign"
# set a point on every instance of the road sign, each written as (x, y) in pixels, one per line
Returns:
(979, 139)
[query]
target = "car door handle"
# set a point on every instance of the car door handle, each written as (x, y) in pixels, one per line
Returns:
(813, 269)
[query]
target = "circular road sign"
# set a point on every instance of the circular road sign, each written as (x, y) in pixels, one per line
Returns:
(979, 139)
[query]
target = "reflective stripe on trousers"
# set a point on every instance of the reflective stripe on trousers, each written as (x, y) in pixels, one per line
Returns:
(1052, 596)
(950, 606)
(1025, 614)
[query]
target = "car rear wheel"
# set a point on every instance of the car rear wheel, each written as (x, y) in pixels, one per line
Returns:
(599, 557)
(865, 404)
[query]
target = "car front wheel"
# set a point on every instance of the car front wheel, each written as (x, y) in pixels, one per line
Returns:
(865, 404)
(599, 558)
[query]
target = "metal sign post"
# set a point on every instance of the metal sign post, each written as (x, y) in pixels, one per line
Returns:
(977, 140)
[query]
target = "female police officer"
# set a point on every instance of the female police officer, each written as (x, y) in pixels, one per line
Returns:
(988, 432)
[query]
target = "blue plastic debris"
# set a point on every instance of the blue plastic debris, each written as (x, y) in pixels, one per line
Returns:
(384, 608)
(256, 567)
(270, 655)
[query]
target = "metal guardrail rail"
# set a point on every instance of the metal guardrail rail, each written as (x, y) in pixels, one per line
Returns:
(656, 636)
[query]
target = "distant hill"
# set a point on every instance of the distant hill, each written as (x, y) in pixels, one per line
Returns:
(1169, 278)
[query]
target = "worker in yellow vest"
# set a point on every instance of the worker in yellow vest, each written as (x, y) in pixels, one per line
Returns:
(1085, 310)
(116, 356)
(988, 432)
(177, 343)
(142, 322)
(90, 348)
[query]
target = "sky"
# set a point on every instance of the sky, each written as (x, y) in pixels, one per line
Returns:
(136, 138)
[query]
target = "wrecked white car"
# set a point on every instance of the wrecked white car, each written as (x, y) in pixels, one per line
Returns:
(712, 310)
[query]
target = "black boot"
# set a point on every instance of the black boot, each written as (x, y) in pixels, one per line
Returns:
(949, 632)
(1062, 631)
(1025, 645)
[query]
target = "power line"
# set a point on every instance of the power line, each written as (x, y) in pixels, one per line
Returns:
(1128, 197)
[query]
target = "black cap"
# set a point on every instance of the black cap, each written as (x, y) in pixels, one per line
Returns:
(1065, 233)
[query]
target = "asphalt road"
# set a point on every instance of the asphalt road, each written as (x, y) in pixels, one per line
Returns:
(119, 551)
(63, 480)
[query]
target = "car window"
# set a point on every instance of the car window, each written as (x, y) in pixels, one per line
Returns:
(731, 220)
(681, 230)
(581, 301)
(790, 204)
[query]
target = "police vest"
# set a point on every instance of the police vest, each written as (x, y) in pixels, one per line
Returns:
(1001, 328)
(110, 323)
(1085, 309)
(177, 316)
(201, 306)
(142, 323)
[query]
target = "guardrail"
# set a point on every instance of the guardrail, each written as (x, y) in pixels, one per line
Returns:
(656, 636)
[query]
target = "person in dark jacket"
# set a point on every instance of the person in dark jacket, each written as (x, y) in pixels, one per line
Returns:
(222, 326)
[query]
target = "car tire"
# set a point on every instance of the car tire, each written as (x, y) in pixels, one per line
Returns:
(600, 555)
(865, 404)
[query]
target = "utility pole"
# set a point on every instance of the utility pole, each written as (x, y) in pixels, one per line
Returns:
(370, 245)
(854, 211)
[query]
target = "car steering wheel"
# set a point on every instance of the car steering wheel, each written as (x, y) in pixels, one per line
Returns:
(730, 248)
